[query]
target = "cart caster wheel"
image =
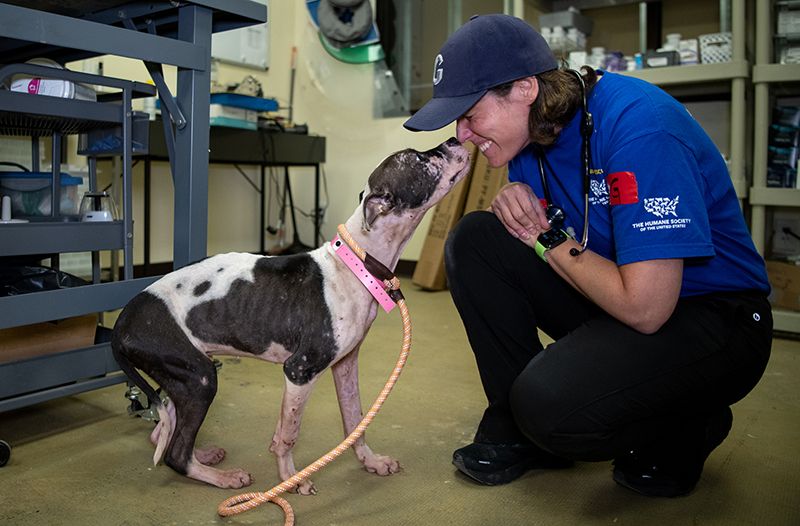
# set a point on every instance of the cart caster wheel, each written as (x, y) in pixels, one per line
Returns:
(5, 453)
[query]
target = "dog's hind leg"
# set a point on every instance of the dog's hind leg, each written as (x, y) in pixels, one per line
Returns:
(287, 431)
(147, 338)
(345, 377)
(192, 387)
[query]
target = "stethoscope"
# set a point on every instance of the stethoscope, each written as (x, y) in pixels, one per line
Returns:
(556, 215)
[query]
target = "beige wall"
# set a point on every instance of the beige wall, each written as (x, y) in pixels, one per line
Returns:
(335, 100)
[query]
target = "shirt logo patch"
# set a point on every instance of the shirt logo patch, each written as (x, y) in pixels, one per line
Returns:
(666, 210)
(662, 206)
(622, 188)
(599, 194)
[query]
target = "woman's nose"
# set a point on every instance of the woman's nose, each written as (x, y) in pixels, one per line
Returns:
(463, 133)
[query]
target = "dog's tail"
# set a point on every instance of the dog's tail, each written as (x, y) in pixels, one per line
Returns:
(164, 426)
(165, 422)
(164, 430)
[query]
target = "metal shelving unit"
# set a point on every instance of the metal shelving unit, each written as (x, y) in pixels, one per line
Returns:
(730, 77)
(157, 32)
(767, 74)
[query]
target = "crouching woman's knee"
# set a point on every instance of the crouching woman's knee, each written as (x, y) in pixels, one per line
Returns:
(542, 414)
(536, 417)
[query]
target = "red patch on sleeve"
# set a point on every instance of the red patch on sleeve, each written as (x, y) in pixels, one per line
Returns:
(622, 188)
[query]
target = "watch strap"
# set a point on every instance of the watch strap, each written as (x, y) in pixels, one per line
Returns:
(541, 248)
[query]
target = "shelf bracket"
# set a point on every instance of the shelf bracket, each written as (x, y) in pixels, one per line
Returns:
(157, 74)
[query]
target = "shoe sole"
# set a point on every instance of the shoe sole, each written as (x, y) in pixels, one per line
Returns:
(511, 473)
(651, 491)
(713, 441)
(497, 478)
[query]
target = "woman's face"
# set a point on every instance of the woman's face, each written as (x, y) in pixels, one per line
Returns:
(498, 126)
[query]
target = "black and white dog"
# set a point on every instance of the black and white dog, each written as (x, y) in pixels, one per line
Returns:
(306, 311)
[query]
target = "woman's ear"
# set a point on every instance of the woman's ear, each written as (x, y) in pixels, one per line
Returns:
(528, 89)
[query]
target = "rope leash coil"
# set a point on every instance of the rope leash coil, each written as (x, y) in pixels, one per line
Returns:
(247, 501)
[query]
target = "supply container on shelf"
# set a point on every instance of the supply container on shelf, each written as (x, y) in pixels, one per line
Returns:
(31, 193)
(108, 141)
(52, 87)
(716, 47)
(98, 206)
(788, 17)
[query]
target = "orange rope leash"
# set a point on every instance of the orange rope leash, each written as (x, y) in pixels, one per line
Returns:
(248, 501)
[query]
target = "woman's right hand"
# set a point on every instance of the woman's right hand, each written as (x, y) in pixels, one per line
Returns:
(520, 211)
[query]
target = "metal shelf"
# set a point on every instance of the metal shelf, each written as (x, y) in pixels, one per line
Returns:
(51, 376)
(33, 115)
(36, 28)
(767, 75)
(693, 74)
(19, 239)
(776, 73)
(37, 307)
(157, 32)
(765, 196)
(786, 320)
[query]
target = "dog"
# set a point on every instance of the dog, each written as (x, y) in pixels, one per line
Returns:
(306, 311)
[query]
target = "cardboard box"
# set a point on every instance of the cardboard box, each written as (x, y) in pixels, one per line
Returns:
(28, 341)
(429, 271)
(785, 280)
(484, 184)
(475, 192)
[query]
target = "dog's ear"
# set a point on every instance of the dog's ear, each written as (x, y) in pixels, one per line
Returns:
(375, 205)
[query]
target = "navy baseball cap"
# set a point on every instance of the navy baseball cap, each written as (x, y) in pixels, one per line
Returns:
(485, 52)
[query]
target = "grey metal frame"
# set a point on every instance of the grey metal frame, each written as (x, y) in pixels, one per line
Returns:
(185, 42)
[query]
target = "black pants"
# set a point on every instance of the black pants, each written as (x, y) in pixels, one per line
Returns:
(602, 388)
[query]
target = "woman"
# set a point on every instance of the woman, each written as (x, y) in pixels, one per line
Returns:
(620, 236)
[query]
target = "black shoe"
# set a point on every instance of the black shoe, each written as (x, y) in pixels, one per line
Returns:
(494, 464)
(671, 475)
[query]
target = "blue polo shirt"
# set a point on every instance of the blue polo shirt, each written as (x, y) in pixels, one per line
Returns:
(659, 188)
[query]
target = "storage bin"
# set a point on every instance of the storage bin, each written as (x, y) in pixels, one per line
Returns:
(30, 193)
(788, 18)
(660, 59)
(108, 141)
(716, 48)
(233, 117)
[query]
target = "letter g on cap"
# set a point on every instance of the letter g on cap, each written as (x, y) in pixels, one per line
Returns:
(437, 69)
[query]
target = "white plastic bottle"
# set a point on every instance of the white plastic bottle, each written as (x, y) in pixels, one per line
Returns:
(557, 39)
(598, 57)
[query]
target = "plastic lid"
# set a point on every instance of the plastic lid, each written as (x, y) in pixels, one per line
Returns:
(66, 179)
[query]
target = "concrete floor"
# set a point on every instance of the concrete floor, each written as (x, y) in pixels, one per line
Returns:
(81, 460)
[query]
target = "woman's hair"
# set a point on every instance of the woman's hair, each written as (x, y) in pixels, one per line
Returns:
(558, 100)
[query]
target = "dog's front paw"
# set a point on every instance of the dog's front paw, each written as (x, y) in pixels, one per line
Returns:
(306, 488)
(381, 464)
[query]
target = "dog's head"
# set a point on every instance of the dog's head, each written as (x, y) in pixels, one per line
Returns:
(413, 181)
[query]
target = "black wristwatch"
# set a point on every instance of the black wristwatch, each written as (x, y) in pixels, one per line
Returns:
(548, 240)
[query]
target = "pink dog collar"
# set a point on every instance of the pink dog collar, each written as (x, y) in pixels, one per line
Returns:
(356, 266)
